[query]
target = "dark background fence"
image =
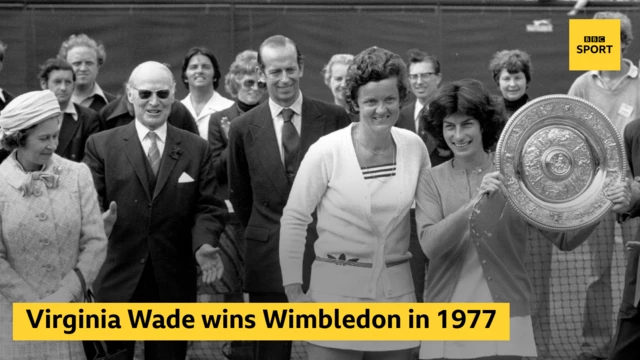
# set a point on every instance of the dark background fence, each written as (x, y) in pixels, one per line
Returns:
(463, 34)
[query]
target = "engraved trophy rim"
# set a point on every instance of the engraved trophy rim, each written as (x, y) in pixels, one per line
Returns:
(562, 215)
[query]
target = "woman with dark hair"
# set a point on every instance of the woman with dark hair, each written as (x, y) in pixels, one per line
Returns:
(511, 70)
(362, 180)
(201, 76)
(478, 261)
(51, 229)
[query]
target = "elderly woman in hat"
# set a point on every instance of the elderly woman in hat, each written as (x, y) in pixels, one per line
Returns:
(51, 229)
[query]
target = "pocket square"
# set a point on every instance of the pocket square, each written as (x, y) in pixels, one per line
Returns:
(185, 178)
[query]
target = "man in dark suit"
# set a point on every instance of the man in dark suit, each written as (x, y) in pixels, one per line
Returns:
(78, 122)
(120, 112)
(163, 182)
(266, 146)
(86, 56)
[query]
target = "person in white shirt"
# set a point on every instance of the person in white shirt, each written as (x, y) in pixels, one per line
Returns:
(201, 75)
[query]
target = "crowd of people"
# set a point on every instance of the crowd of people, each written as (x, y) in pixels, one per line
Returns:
(373, 198)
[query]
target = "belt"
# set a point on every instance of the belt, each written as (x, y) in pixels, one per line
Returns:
(343, 261)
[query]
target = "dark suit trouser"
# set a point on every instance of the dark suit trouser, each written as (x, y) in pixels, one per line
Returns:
(147, 291)
(419, 261)
(270, 350)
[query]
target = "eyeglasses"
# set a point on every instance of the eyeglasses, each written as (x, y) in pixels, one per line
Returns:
(249, 84)
(423, 76)
(146, 94)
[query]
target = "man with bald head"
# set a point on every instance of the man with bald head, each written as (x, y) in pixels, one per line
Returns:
(163, 181)
(266, 146)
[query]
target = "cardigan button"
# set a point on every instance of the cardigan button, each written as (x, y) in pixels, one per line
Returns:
(37, 192)
(489, 278)
(42, 216)
(45, 242)
(484, 261)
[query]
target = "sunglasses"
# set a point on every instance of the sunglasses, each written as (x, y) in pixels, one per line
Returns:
(249, 84)
(146, 94)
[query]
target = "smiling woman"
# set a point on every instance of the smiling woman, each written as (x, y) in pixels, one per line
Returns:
(472, 260)
(362, 180)
(39, 254)
(511, 70)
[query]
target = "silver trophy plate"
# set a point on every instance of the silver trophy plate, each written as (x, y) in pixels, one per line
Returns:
(558, 154)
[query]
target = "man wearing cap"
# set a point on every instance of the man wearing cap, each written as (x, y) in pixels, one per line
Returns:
(169, 220)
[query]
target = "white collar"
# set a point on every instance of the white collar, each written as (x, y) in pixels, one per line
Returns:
(143, 131)
(296, 106)
(632, 73)
(2, 96)
(71, 110)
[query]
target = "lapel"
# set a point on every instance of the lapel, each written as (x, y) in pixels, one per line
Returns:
(313, 125)
(67, 131)
(135, 154)
(168, 161)
(266, 145)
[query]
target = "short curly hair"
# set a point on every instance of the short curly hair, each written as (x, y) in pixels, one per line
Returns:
(201, 50)
(246, 63)
(469, 97)
(626, 31)
(327, 70)
(514, 61)
(16, 140)
(86, 41)
(374, 64)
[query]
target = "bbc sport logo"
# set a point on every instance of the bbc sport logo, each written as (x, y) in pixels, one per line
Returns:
(594, 44)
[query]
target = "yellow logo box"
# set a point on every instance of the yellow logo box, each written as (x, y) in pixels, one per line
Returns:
(261, 321)
(594, 44)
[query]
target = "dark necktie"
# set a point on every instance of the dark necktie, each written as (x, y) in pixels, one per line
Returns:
(291, 145)
(154, 153)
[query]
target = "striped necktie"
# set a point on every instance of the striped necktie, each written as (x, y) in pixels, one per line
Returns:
(154, 152)
(291, 145)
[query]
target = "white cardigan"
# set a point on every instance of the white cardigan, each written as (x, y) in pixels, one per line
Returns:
(330, 179)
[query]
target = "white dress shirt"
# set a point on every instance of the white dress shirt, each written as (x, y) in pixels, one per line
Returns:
(416, 112)
(215, 104)
(278, 121)
(146, 141)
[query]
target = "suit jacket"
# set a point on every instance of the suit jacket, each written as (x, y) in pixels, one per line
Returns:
(259, 188)
(165, 225)
(219, 143)
(98, 102)
(74, 133)
(116, 114)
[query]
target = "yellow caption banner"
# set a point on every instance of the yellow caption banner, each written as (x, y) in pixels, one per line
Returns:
(594, 44)
(261, 321)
